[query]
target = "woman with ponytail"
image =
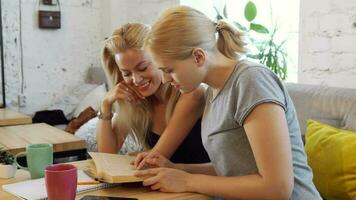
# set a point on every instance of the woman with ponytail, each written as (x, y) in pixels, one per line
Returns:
(249, 126)
(156, 114)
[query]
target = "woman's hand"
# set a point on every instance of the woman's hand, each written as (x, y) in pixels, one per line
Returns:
(151, 159)
(135, 153)
(165, 179)
(122, 91)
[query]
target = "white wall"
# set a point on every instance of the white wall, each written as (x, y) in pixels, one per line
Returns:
(55, 61)
(41, 65)
(119, 12)
(327, 45)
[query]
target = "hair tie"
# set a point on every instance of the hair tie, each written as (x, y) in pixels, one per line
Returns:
(218, 27)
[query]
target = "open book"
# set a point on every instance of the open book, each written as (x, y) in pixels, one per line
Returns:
(113, 168)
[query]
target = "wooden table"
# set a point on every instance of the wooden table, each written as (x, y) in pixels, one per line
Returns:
(9, 117)
(16, 138)
(139, 192)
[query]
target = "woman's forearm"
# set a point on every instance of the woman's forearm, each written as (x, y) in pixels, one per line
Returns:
(105, 136)
(167, 144)
(204, 168)
(186, 113)
(242, 187)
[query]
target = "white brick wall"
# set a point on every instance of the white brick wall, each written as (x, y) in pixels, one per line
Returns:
(327, 43)
(56, 61)
(124, 11)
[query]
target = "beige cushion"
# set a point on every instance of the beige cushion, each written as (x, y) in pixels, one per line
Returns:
(92, 99)
(330, 105)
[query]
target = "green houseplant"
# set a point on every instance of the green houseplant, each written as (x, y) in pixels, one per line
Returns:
(267, 50)
(7, 164)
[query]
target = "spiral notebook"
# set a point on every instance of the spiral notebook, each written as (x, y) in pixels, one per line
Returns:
(36, 190)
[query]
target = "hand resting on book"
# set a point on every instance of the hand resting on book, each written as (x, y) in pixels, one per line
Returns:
(151, 159)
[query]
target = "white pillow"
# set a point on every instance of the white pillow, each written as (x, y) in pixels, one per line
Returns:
(70, 100)
(88, 132)
(92, 99)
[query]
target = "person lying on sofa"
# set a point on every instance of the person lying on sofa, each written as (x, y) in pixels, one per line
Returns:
(249, 128)
(147, 108)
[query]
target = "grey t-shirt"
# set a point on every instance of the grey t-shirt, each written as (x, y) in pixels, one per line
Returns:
(225, 139)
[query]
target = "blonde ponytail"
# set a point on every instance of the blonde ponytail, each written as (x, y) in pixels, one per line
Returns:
(230, 42)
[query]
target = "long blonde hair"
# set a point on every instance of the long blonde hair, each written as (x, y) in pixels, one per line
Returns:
(138, 118)
(181, 29)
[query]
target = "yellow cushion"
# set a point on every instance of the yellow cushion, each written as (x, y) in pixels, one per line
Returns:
(332, 156)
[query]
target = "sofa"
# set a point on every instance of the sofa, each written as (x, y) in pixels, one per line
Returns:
(330, 105)
(331, 156)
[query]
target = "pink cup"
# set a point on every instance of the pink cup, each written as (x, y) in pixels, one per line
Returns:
(61, 181)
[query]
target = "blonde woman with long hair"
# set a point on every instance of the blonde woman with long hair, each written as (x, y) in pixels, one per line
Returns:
(147, 108)
(249, 127)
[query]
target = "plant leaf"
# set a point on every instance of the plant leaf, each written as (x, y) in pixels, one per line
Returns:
(258, 28)
(5, 157)
(250, 11)
(255, 56)
(218, 15)
(239, 26)
(225, 11)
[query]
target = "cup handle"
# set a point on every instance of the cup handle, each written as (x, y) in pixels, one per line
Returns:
(17, 164)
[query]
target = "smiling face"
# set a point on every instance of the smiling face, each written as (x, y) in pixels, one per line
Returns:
(137, 70)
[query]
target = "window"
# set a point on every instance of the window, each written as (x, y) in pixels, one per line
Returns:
(285, 14)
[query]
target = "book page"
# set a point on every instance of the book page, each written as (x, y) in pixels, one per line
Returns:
(114, 168)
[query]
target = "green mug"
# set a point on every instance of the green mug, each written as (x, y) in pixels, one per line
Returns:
(38, 157)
